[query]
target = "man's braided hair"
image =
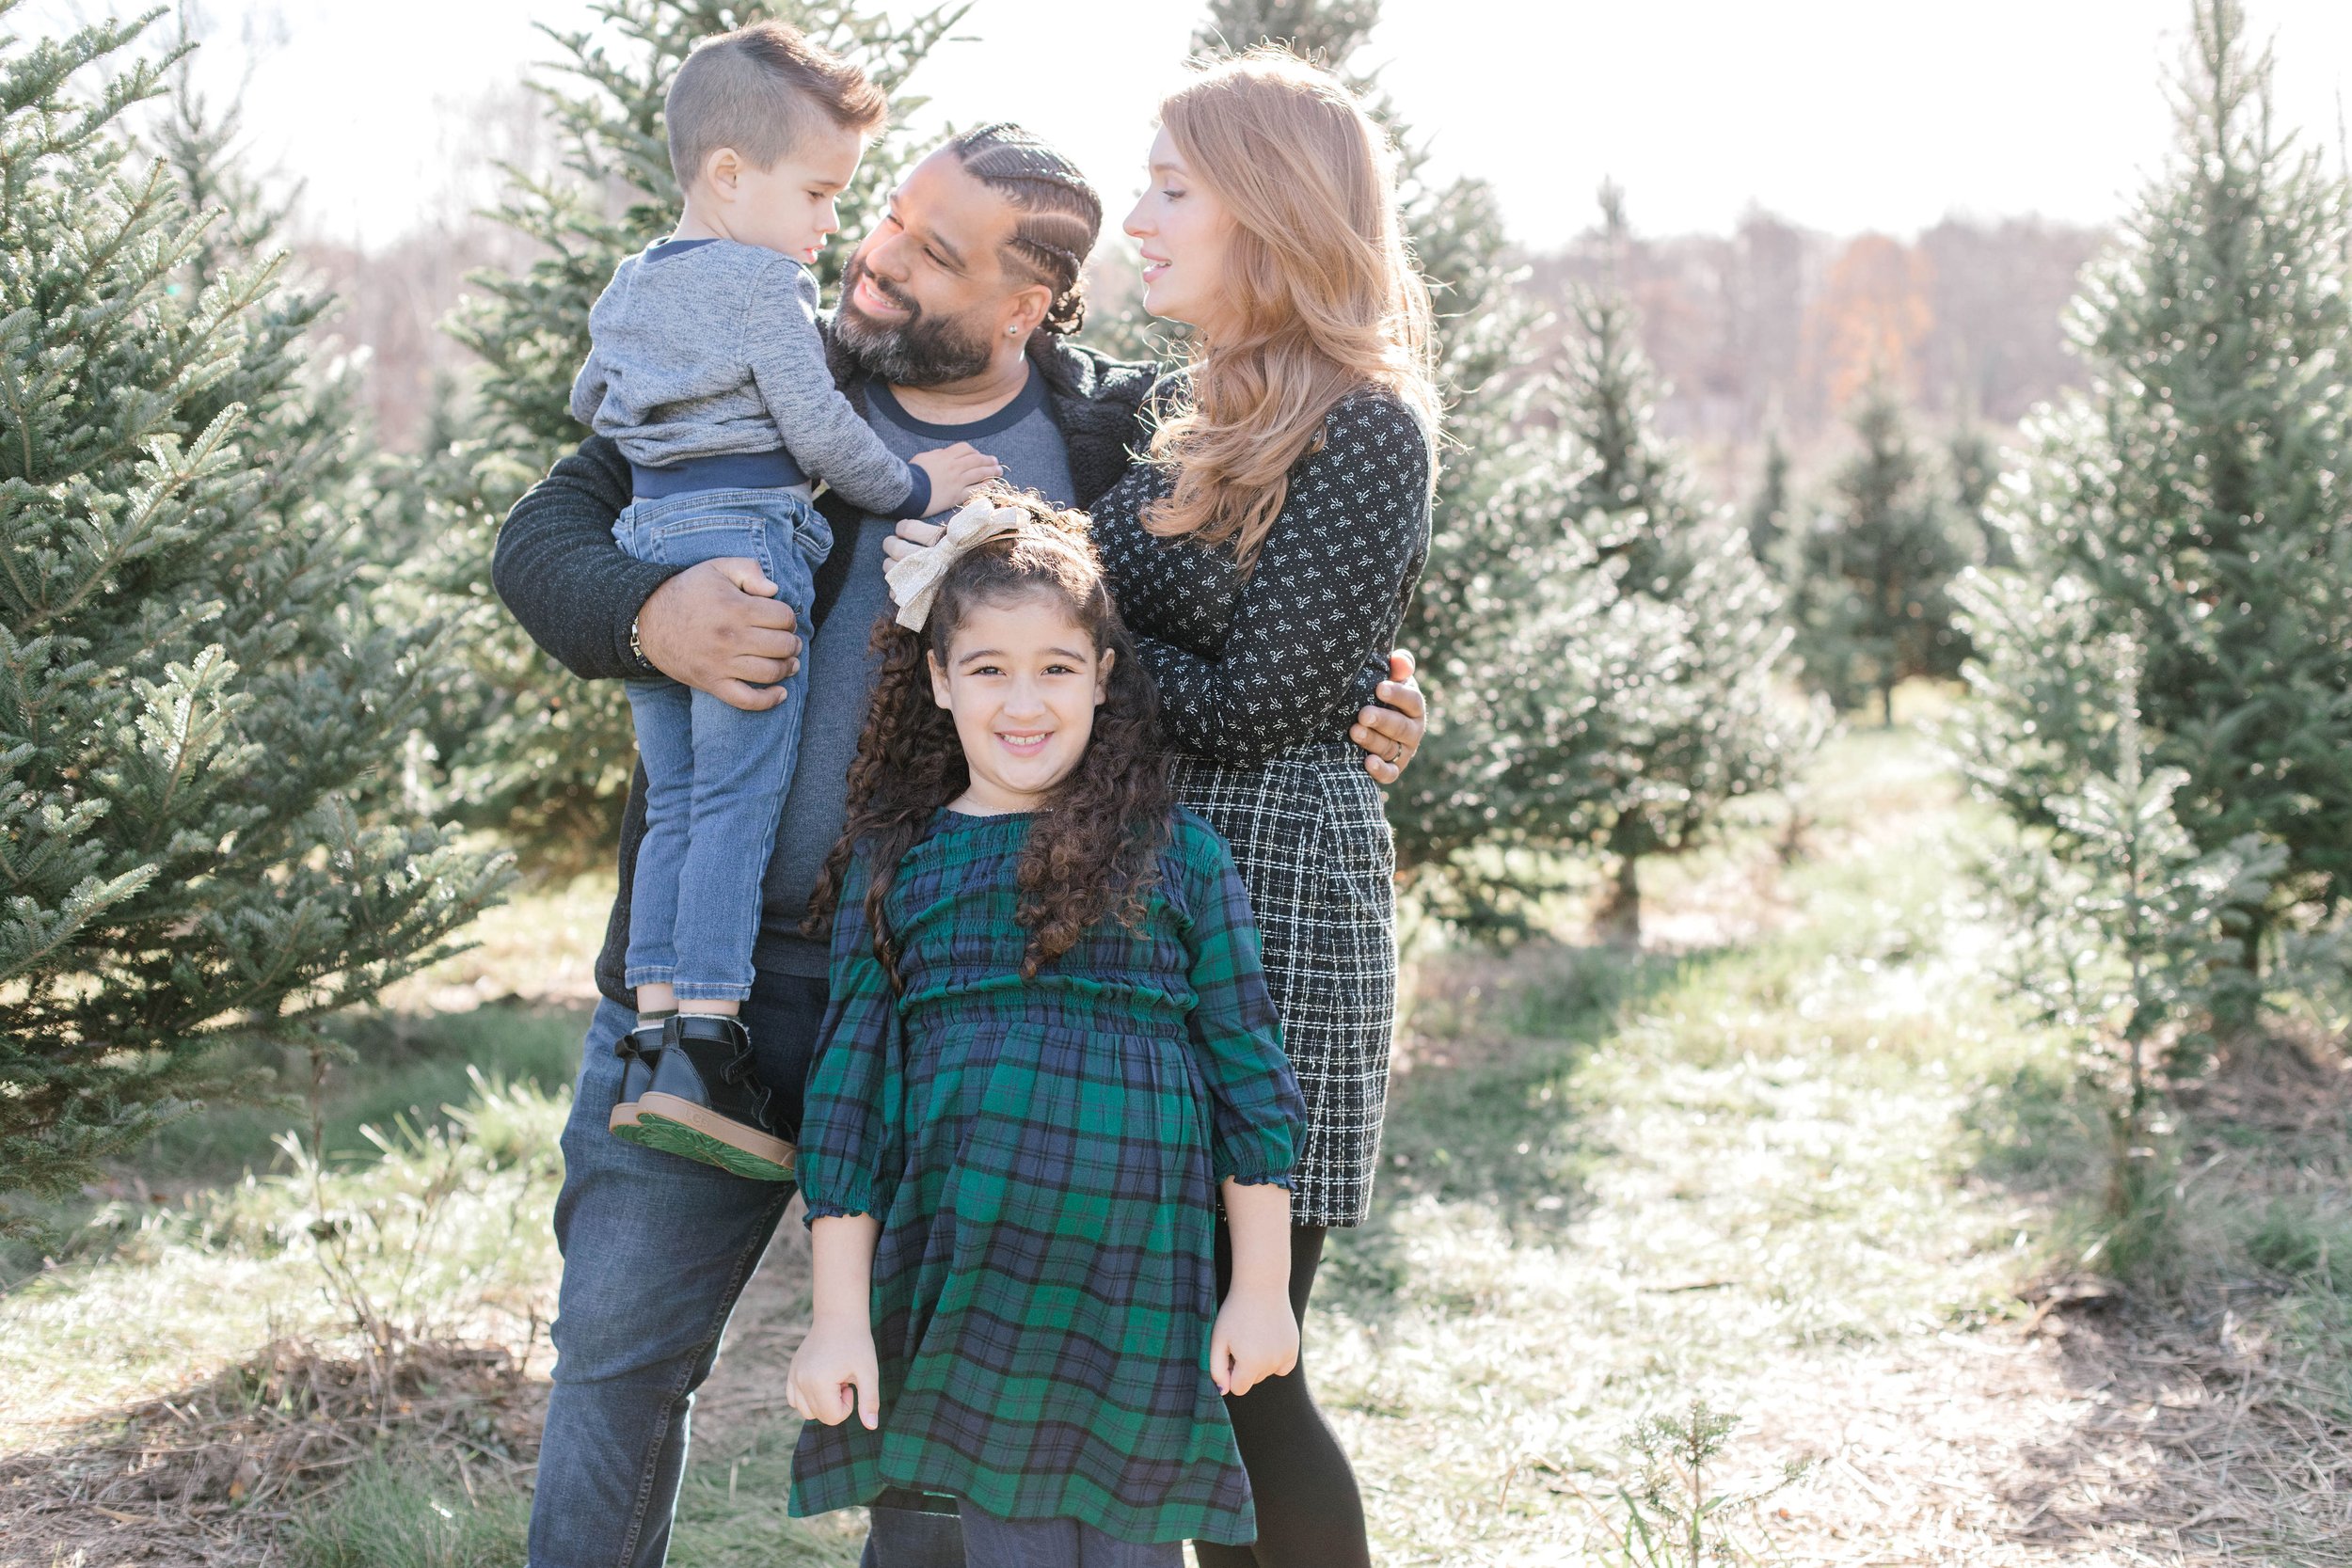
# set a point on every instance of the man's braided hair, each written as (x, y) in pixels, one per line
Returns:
(1060, 215)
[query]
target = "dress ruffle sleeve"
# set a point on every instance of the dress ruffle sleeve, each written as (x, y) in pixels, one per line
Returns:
(849, 1157)
(1259, 1117)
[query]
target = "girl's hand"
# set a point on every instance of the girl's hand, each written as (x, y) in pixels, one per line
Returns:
(1255, 1338)
(914, 534)
(835, 1371)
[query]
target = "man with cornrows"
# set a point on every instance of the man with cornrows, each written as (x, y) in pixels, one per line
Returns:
(954, 325)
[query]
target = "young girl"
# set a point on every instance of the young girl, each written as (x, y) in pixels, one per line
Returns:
(1050, 1052)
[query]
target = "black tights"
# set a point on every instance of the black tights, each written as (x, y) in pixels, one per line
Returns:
(1310, 1514)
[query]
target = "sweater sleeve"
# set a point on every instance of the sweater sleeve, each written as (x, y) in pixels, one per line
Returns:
(786, 350)
(588, 389)
(849, 1130)
(558, 570)
(1258, 1118)
(1308, 641)
(595, 375)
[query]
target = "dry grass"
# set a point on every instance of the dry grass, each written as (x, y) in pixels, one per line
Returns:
(1798, 1159)
(209, 1475)
(1817, 1175)
(196, 1379)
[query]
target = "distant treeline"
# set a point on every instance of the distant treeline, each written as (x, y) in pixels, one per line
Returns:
(1771, 329)
(1774, 328)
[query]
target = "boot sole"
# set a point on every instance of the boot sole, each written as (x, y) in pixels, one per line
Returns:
(623, 1115)
(692, 1131)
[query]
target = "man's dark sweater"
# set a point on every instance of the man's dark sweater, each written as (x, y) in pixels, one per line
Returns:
(560, 573)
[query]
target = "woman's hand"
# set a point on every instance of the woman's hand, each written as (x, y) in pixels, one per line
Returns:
(913, 535)
(835, 1370)
(1390, 732)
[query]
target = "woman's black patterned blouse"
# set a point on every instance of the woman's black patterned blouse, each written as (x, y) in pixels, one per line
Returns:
(1252, 664)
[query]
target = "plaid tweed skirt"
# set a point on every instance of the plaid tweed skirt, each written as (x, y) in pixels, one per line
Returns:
(1314, 849)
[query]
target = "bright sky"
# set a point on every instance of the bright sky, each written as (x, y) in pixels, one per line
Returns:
(1843, 114)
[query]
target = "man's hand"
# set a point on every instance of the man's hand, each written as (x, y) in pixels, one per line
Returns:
(718, 627)
(1390, 732)
(914, 534)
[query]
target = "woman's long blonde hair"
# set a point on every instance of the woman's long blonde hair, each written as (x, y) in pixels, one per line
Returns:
(1324, 296)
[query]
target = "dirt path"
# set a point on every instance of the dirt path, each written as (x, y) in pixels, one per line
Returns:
(2120, 1444)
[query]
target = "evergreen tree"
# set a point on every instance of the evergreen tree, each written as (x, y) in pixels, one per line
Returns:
(2192, 494)
(1880, 566)
(2123, 931)
(527, 749)
(1704, 726)
(198, 699)
(1974, 464)
(1523, 644)
(1327, 31)
(1769, 512)
(1529, 653)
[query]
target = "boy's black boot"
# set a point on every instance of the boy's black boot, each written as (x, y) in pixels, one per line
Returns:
(705, 1103)
(640, 1051)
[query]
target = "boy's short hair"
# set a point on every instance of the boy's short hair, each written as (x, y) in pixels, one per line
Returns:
(759, 91)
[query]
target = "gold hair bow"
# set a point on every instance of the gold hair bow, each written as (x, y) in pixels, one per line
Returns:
(914, 579)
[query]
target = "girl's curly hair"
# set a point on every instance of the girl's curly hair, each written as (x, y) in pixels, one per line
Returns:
(1095, 852)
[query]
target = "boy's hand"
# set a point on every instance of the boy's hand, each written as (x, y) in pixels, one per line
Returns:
(836, 1362)
(957, 472)
(1255, 1338)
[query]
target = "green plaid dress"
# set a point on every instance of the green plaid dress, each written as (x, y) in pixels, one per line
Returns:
(1044, 1155)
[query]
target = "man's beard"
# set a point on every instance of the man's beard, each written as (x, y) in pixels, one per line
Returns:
(920, 351)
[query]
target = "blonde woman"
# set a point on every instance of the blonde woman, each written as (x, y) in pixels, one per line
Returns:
(1263, 553)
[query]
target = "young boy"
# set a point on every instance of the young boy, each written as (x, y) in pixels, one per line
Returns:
(708, 370)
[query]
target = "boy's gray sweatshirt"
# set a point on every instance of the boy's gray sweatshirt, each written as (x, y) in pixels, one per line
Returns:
(706, 349)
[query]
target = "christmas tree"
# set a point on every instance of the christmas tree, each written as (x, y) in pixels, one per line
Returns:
(1527, 649)
(202, 707)
(1769, 512)
(1974, 464)
(1704, 724)
(1879, 567)
(2190, 498)
(528, 748)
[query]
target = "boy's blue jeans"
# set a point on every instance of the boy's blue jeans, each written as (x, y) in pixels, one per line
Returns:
(715, 775)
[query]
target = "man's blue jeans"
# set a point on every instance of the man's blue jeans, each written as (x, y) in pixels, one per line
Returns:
(655, 1251)
(715, 775)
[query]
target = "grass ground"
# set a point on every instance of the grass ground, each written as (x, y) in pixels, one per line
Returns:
(1797, 1160)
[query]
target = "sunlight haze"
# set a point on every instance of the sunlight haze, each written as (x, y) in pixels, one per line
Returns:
(1836, 114)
